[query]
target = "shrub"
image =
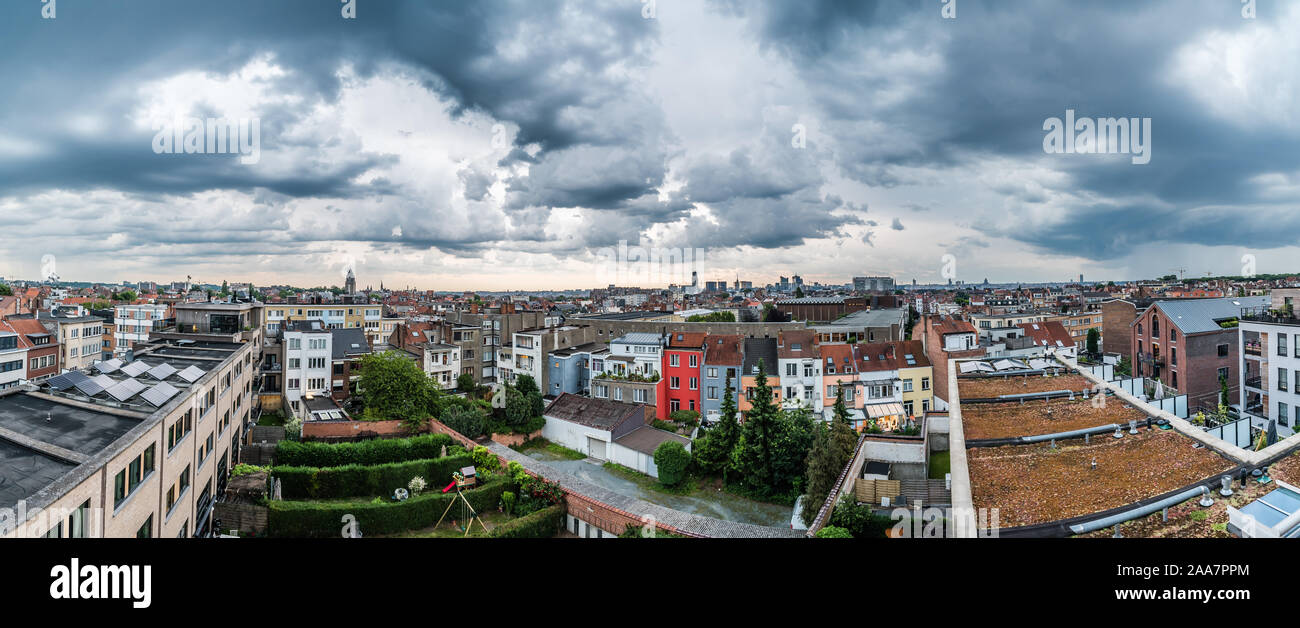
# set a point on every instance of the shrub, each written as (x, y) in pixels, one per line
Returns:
(672, 459)
(245, 469)
(356, 480)
(685, 416)
(486, 460)
(417, 485)
(468, 421)
(382, 451)
(833, 532)
(542, 524)
(508, 502)
(302, 519)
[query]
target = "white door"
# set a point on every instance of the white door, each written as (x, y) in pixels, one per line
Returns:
(596, 447)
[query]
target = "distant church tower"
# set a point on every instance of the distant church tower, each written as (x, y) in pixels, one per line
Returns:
(350, 285)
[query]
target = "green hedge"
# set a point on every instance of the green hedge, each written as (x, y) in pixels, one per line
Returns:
(542, 524)
(301, 519)
(379, 451)
(356, 480)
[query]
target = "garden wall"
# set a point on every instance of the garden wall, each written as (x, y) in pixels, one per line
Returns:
(515, 440)
(343, 430)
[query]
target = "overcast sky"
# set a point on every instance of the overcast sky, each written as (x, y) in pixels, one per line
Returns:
(499, 145)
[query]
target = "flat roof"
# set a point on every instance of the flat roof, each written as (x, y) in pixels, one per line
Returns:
(1013, 384)
(24, 472)
(879, 317)
(1012, 419)
(1033, 484)
(71, 427)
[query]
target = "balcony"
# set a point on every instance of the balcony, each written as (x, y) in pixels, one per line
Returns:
(1254, 348)
(1255, 382)
(1285, 316)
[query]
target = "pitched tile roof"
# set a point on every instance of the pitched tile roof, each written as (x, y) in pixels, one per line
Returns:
(601, 414)
(723, 350)
(797, 344)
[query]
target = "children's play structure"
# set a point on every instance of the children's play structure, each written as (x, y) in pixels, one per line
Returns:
(461, 481)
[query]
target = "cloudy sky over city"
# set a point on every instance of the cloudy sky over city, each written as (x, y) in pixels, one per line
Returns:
(506, 145)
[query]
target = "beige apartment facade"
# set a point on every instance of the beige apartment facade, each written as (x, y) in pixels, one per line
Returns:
(143, 470)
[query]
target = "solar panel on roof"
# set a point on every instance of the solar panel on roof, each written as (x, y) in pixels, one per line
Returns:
(60, 382)
(134, 369)
(159, 394)
(90, 387)
(162, 371)
(191, 374)
(125, 389)
(108, 366)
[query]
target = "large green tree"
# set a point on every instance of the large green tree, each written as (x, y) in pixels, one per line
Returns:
(713, 450)
(843, 439)
(823, 469)
(527, 386)
(1094, 339)
(393, 387)
(752, 458)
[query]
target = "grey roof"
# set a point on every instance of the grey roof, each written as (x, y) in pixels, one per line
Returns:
(639, 338)
(349, 341)
(760, 349)
(646, 439)
(879, 317)
(1196, 316)
(601, 414)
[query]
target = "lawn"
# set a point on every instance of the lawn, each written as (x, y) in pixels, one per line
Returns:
(554, 448)
(689, 486)
(940, 464)
(271, 419)
(449, 531)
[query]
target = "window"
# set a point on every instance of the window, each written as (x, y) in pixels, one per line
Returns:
(1173, 356)
(694, 361)
(146, 530)
(791, 369)
(711, 372)
(78, 521)
(1223, 350)
(695, 383)
(925, 383)
(713, 391)
(907, 385)
(907, 408)
(1282, 379)
(1281, 413)
(807, 370)
(55, 532)
(672, 360)
(674, 383)
(1223, 373)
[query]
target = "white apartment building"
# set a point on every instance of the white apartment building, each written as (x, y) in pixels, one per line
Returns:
(442, 364)
(132, 324)
(1269, 377)
(13, 360)
(799, 363)
(308, 358)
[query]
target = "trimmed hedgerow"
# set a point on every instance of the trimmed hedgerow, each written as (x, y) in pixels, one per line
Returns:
(356, 480)
(378, 451)
(542, 524)
(302, 519)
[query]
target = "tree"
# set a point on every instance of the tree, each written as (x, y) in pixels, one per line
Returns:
(752, 458)
(713, 450)
(466, 420)
(843, 439)
(125, 295)
(833, 532)
(823, 470)
(393, 387)
(798, 292)
(672, 459)
(712, 317)
(519, 409)
(1223, 394)
(465, 383)
(5, 290)
(1094, 338)
(225, 288)
(528, 387)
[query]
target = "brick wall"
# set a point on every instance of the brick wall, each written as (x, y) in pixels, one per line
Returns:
(1116, 335)
(515, 440)
(339, 430)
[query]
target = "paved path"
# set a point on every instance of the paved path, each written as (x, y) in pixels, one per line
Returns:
(687, 522)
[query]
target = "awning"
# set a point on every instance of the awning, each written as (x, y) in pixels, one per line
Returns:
(878, 410)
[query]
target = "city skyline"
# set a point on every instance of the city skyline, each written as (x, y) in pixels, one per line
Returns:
(508, 153)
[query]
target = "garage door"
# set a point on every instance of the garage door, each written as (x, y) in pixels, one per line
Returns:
(596, 447)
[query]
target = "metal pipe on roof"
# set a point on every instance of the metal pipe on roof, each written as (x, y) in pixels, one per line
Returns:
(1142, 511)
(1071, 434)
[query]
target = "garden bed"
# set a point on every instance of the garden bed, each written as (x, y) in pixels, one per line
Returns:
(1012, 419)
(1031, 484)
(1189, 520)
(990, 387)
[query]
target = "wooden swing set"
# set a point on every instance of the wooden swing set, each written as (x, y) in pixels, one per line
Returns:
(466, 511)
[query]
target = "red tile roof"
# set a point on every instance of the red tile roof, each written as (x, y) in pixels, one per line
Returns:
(1049, 334)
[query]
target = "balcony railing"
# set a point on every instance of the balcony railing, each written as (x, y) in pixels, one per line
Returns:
(1255, 382)
(1284, 316)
